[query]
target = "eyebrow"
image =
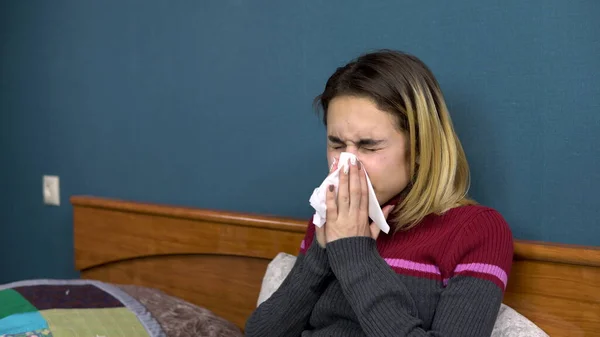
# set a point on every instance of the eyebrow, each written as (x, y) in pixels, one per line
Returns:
(361, 142)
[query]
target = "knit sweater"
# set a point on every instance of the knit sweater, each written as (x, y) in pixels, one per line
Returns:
(444, 277)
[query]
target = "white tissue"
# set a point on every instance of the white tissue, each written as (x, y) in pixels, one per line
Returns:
(318, 198)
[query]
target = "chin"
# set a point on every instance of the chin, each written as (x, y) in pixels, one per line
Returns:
(382, 200)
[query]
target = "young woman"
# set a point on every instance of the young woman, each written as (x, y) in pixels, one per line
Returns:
(442, 269)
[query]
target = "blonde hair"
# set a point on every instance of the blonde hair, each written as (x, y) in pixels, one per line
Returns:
(404, 86)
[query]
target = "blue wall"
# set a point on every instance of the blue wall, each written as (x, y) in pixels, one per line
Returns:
(208, 104)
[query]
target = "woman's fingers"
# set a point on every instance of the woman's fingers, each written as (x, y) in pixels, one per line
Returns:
(343, 197)
(354, 188)
(363, 214)
(332, 212)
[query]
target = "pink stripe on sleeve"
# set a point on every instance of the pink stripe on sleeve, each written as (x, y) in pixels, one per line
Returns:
(406, 264)
(484, 268)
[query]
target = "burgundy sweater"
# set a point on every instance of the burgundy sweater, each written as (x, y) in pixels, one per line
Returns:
(444, 277)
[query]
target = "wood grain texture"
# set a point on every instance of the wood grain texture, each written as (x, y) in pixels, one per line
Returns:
(212, 259)
(217, 260)
(563, 299)
(227, 285)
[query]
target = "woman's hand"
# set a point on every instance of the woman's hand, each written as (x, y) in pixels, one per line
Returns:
(321, 231)
(348, 214)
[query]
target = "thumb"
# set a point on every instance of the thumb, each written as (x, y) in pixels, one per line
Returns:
(320, 235)
(374, 228)
(387, 210)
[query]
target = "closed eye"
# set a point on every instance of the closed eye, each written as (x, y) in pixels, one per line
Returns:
(367, 144)
(336, 143)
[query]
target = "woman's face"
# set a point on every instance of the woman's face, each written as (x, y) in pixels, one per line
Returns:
(356, 125)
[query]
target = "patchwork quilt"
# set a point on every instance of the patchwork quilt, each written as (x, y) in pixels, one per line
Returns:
(73, 308)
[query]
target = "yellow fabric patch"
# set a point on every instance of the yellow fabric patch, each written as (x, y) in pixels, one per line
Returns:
(110, 322)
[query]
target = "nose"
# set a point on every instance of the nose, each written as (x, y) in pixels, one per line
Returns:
(352, 149)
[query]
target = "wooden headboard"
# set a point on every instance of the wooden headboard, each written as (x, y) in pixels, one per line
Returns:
(217, 260)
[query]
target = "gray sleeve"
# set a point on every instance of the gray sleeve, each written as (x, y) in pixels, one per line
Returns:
(287, 311)
(384, 307)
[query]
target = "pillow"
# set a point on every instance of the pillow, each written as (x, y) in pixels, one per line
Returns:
(276, 272)
(509, 322)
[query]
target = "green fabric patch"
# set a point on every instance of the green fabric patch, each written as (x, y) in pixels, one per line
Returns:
(14, 303)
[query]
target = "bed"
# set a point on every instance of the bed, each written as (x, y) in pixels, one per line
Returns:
(217, 260)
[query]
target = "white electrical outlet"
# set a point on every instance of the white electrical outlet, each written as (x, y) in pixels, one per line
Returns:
(51, 190)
